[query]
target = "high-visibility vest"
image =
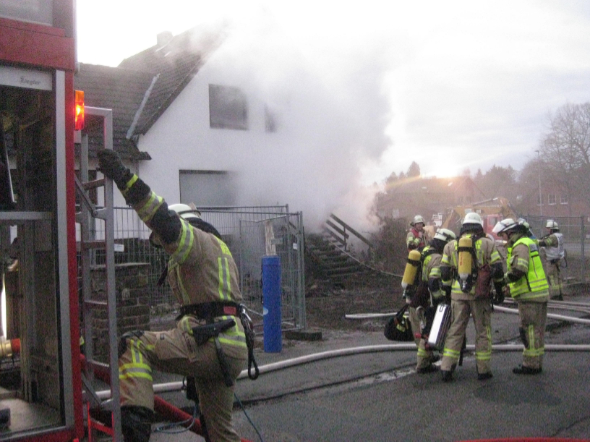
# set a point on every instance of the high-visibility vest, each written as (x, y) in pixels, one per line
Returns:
(558, 251)
(534, 284)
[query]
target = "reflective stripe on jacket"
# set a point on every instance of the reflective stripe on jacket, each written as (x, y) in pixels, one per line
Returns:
(534, 284)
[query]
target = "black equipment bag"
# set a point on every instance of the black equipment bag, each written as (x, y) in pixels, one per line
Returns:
(398, 327)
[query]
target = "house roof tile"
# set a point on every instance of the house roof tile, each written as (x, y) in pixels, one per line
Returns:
(142, 87)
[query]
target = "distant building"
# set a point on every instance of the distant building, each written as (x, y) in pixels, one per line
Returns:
(429, 197)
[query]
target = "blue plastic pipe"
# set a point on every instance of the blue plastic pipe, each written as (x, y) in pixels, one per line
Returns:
(271, 303)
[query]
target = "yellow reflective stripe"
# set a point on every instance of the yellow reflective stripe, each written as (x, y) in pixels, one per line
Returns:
(130, 371)
(224, 278)
(224, 248)
(147, 210)
(131, 182)
(185, 298)
(451, 353)
(184, 325)
(236, 342)
(422, 353)
(483, 355)
(185, 243)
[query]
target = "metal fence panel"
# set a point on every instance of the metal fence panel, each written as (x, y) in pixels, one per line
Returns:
(576, 239)
(244, 230)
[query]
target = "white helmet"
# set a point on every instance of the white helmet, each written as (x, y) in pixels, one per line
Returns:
(185, 211)
(552, 225)
(445, 235)
(417, 220)
(472, 218)
(505, 225)
(523, 222)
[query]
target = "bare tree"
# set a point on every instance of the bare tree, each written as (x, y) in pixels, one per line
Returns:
(565, 149)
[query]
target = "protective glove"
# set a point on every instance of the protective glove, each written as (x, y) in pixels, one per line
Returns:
(110, 164)
(506, 291)
(437, 297)
(407, 296)
(447, 291)
(498, 295)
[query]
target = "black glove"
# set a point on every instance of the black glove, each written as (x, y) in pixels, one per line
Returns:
(447, 290)
(110, 164)
(499, 295)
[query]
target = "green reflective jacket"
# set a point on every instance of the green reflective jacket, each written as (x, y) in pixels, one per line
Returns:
(534, 285)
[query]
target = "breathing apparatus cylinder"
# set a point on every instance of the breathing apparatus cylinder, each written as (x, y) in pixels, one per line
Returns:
(465, 262)
(411, 269)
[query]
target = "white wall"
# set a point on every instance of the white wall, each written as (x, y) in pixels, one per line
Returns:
(182, 138)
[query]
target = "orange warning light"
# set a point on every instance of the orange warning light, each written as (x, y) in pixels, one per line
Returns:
(79, 118)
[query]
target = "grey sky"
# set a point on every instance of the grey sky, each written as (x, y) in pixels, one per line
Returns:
(450, 85)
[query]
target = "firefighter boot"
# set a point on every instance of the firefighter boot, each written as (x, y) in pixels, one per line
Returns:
(523, 369)
(447, 376)
(136, 423)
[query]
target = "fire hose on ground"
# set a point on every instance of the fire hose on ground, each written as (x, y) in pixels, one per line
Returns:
(301, 360)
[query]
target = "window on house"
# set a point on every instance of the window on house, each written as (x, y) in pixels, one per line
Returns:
(539, 200)
(228, 108)
(208, 188)
(563, 199)
(551, 199)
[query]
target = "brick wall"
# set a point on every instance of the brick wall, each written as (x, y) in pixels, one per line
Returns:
(133, 303)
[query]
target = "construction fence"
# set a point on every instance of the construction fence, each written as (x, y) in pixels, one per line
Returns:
(576, 235)
(250, 233)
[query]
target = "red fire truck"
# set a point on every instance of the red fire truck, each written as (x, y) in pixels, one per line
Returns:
(40, 387)
(47, 239)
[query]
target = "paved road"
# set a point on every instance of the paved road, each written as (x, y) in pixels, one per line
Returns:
(379, 397)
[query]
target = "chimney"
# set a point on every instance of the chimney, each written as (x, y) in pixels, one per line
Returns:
(164, 38)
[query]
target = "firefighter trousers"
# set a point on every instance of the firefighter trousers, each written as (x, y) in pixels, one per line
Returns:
(533, 316)
(554, 279)
(425, 356)
(176, 351)
(481, 310)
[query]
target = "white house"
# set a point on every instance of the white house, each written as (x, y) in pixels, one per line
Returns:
(183, 122)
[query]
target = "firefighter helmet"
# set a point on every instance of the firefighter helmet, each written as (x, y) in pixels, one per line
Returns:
(185, 211)
(552, 225)
(472, 218)
(505, 225)
(445, 235)
(417, 220)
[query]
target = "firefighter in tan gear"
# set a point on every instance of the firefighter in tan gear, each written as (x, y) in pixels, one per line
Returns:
(529, 288)
(208, 342)
(554, 253)
(430, 258)
(416, 237)
(415, 240)
(468, 266)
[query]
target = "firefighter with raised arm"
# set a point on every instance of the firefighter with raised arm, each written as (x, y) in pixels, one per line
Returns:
(529, 288)
(208, 342)
(554, 253)
(430, 259)
(468, 267)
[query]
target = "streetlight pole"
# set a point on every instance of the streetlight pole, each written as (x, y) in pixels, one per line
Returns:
(539, 174)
